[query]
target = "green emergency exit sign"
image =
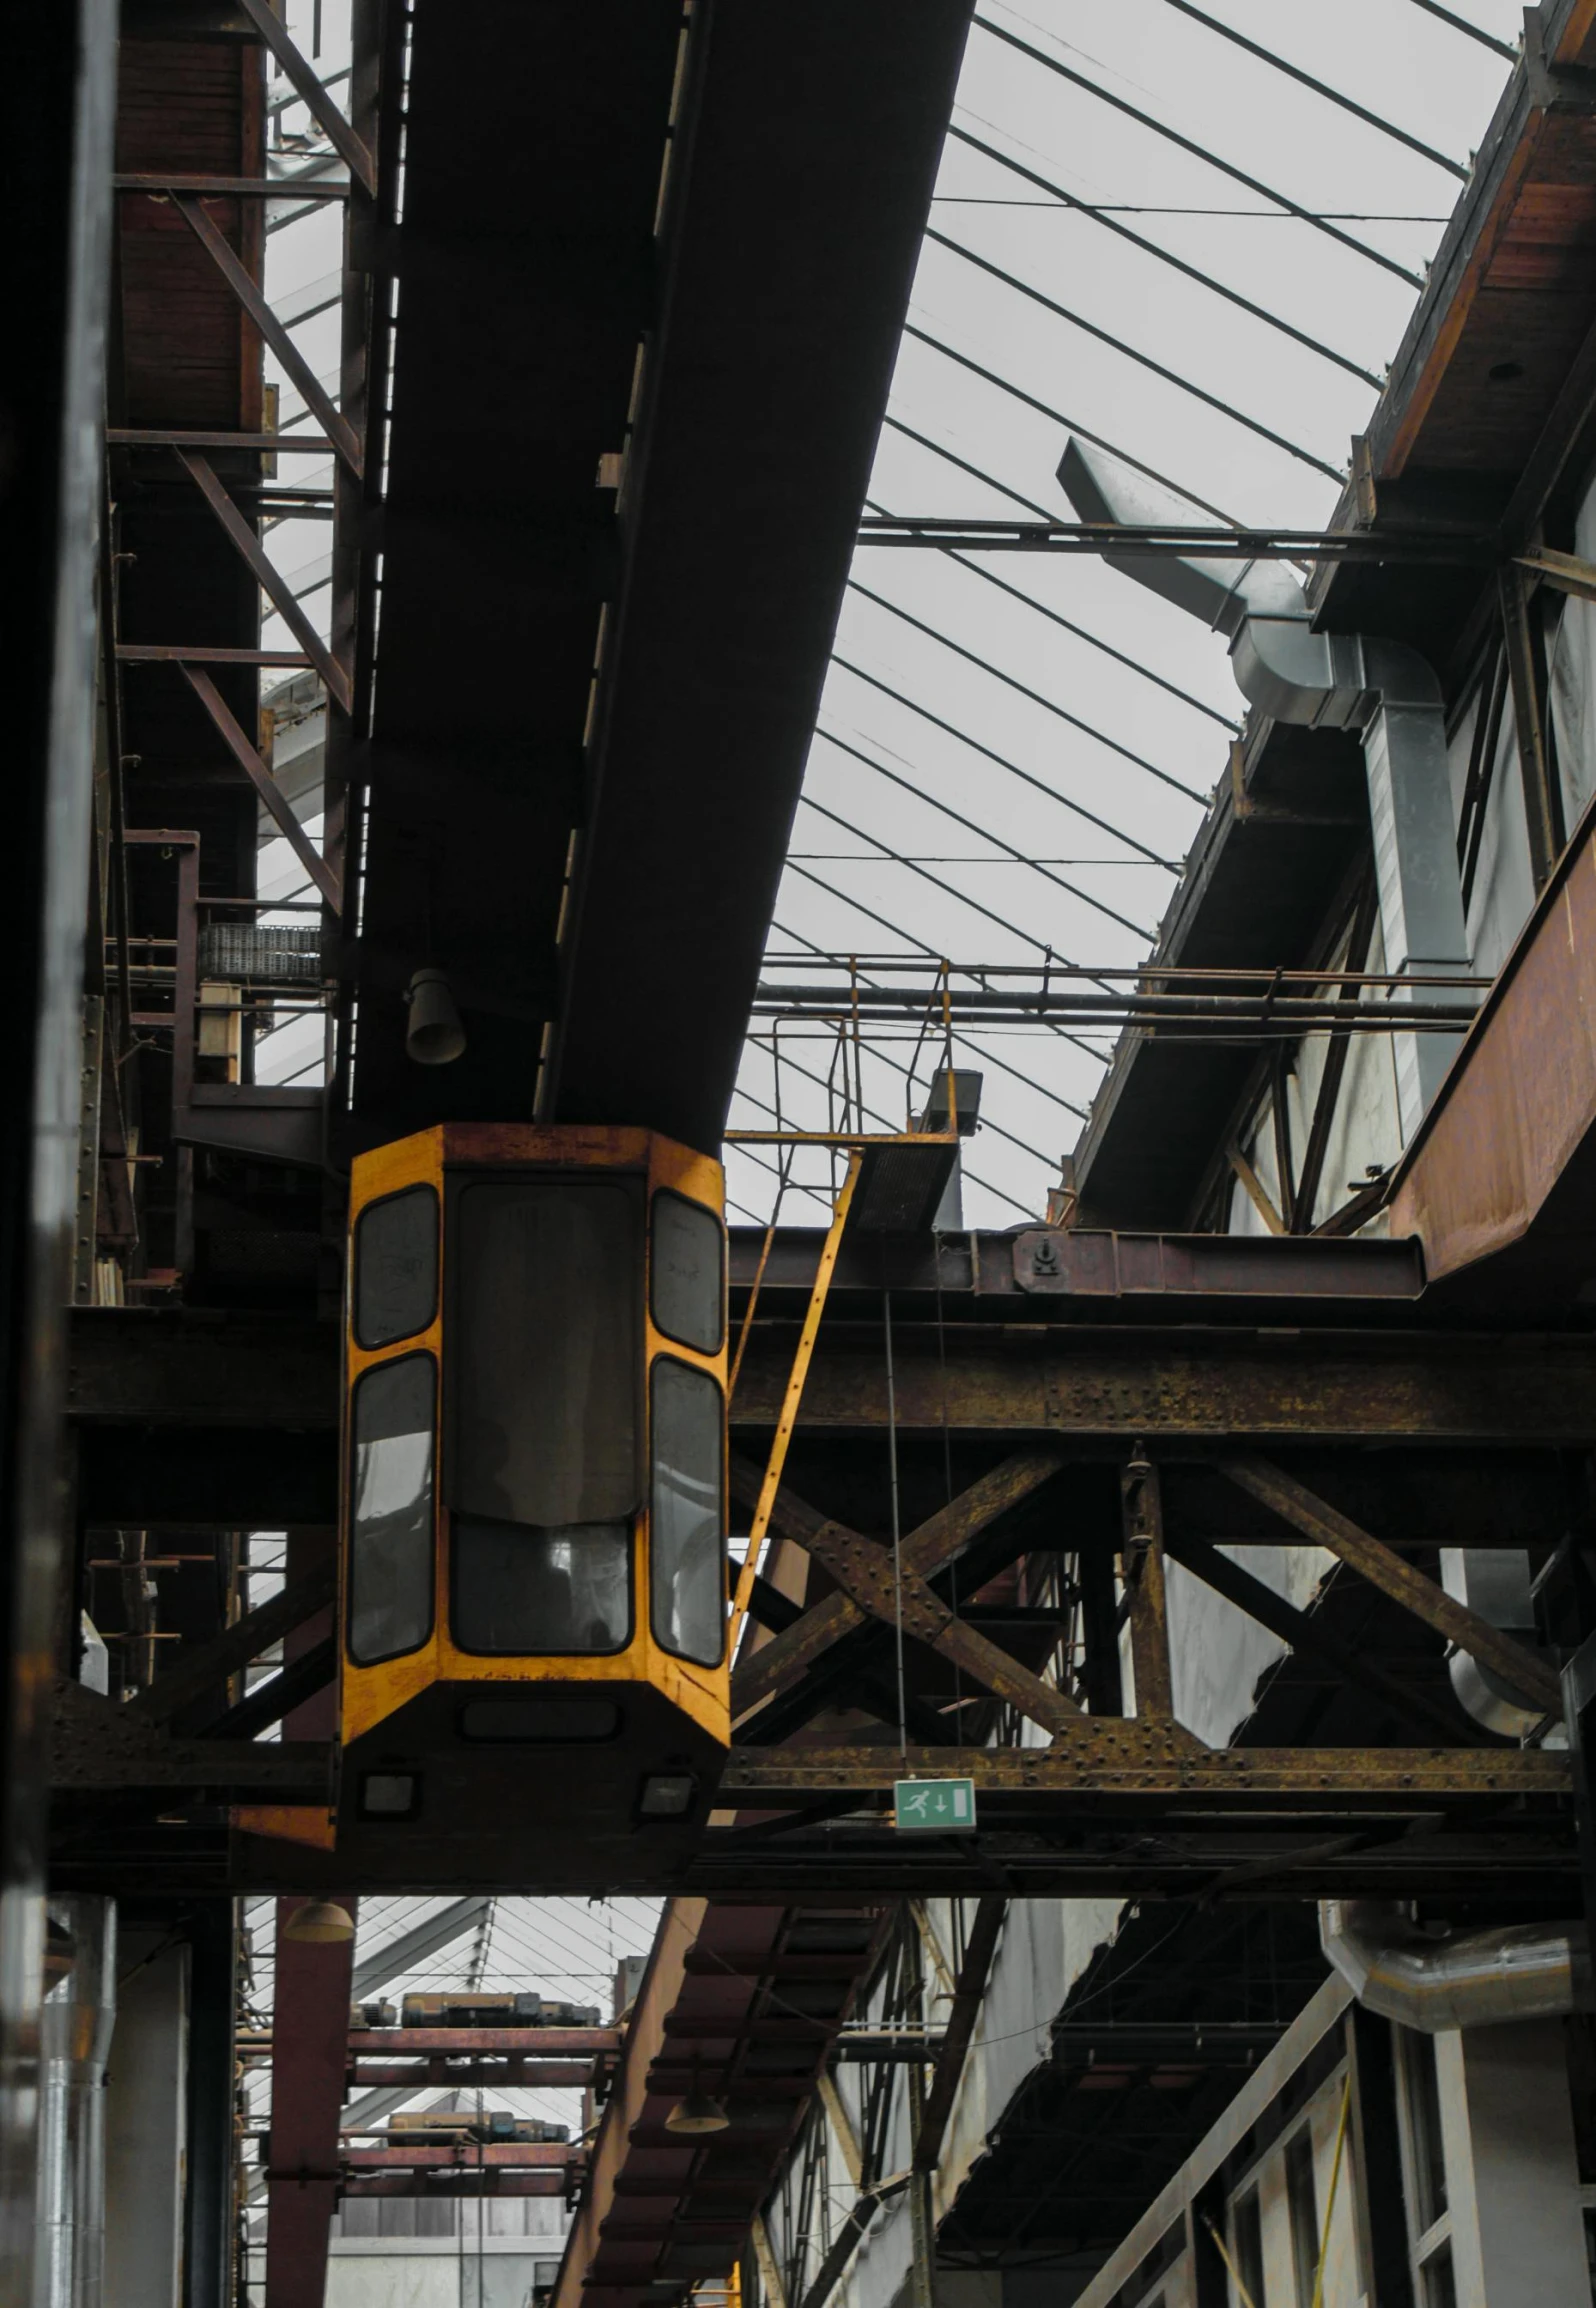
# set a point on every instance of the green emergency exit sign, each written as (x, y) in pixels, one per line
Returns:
(940, 1806)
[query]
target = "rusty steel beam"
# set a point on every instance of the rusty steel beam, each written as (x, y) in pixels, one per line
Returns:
(1301, 1631)
(469, 2043)
(1103, 1759)
(210, 236)
(508, 2074)
(456, 2183)
(246, 540)
(1068, 1385)
(188, 1368)
(551, 2043)
(305, 2173)
(897, 1595)
(271, 795)
(204, 653)
(478, 2155)
(1500, 1654)
(939, 1541)
(206, 1667)
(98, 1746)
(1523, 1086)
(1084, 1262)
(1084, 1382)
(318, 99)
(965, 2010)
(1146, 1592)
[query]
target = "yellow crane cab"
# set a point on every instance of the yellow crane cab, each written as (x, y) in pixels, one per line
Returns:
(533, 1580)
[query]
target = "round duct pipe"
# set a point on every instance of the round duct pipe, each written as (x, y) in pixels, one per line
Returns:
(75, 2022)
(1422, 1980)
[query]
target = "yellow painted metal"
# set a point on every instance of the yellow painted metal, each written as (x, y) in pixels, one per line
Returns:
(788, 1418)
(370, 1695)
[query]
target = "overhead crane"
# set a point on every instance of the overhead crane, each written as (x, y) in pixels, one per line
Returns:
(1240, 1391)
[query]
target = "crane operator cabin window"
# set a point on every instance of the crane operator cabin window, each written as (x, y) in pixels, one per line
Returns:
(542, 1465)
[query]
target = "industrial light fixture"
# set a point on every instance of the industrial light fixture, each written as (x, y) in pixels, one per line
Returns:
(700, 2112)
(388, 1795)
(667, 1795)
(319, 1923)
(434, 1035)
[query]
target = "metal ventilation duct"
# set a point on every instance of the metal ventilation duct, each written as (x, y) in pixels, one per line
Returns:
(1481, 1979)
(1382, 689)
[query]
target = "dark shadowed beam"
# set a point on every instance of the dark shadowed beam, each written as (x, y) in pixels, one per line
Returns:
(806, 159)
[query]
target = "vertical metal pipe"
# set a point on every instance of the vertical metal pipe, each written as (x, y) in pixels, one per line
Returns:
(75, 2023)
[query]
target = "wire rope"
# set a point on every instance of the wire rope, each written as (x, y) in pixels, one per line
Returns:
(1474, 31)
(1026, 777)
(1070, 424)
(946, 809)
(1200, 152)
(1131, 352)
(1167, 256)
(1048, 704)
(1323, 88)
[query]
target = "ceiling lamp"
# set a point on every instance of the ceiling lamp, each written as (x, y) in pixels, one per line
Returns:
(698, 2113)
(319, 1923)
(434, 1035)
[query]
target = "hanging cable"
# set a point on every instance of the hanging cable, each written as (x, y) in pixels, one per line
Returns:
(923, 440)
(873, 505)
(1322, 88)
(1002, 761)
(1047, 703)
(897, 1520)
(990, 577)
(895, 778)
(1199, 152)
(1146, 361)
(1069, 424)
(1474, 31)
(1170, 208)
(1167, 256)
(894, 857)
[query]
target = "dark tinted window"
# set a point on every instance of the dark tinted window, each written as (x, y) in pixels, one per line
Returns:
(545, 1302)
(390, 1547)
(396, 1267)
(523, 1590)
(687, 1258)
(687, 1538)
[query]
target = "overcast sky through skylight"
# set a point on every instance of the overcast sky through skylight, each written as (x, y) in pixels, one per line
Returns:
(1393, 57)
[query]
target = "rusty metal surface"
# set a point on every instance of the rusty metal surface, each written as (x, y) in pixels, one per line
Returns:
(546, 2043)
(200, 1368)
(1512, 1124)
(977, 1271)
(195, 1368)
(312, 1988)
(476, 2155)
(1192, 1384)
(648, 2187)
(97, 1746)
(1058, 1262)
(1099, 1760)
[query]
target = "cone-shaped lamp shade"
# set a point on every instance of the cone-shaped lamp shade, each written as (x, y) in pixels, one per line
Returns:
(434, 1036)
(699, 2112)
(320, 1922)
